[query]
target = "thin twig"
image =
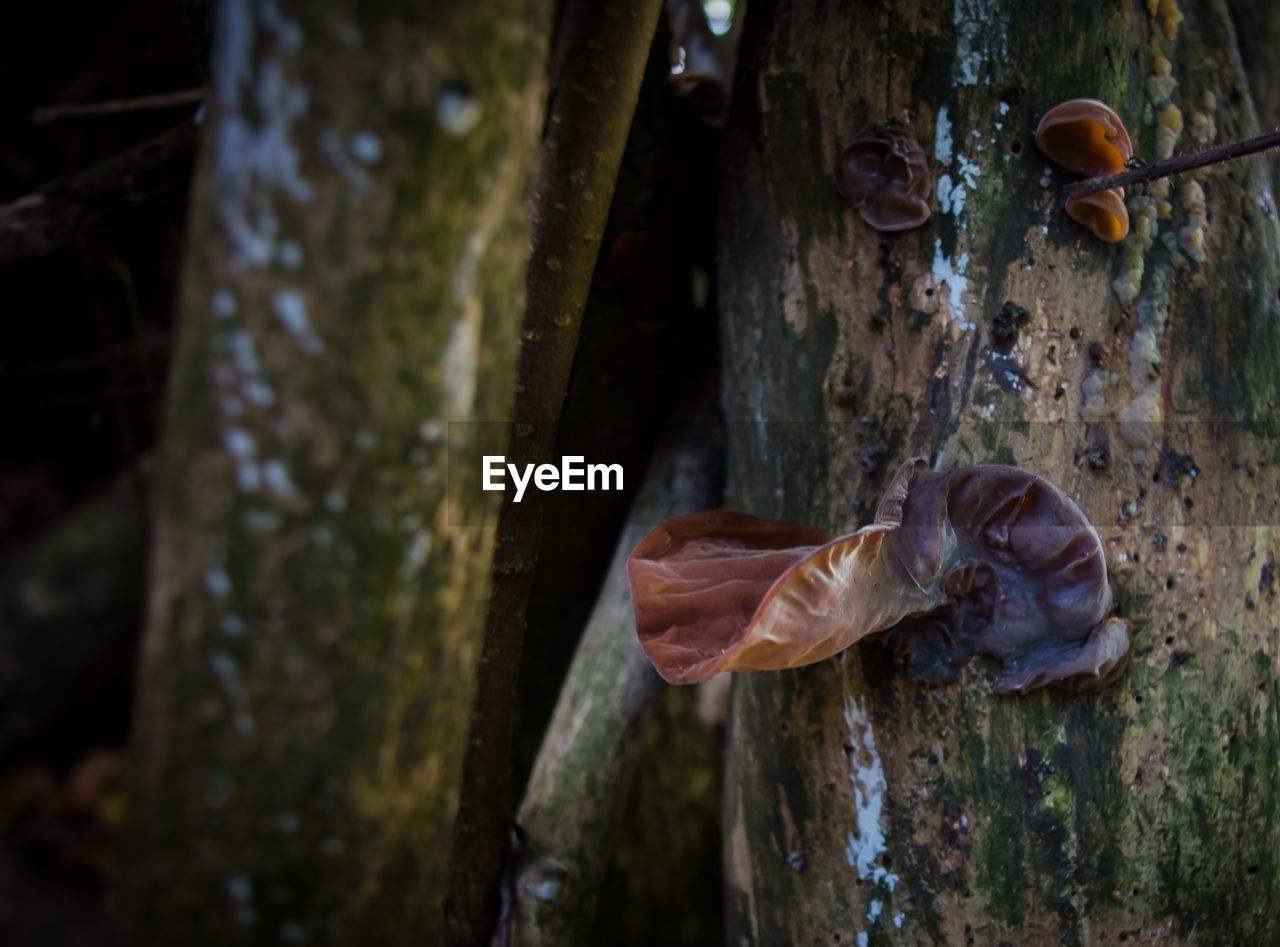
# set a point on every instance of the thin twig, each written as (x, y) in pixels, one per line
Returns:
(143, 103)
(1170, 166)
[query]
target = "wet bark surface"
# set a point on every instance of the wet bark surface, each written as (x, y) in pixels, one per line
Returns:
(1139, 377)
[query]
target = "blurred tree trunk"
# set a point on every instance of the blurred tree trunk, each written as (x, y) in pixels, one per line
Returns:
(859, 806)
(355, 283)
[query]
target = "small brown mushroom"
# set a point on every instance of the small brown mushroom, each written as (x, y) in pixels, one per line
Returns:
(1085, 136)
(884, 175)
(1103, 212)
(990, 560)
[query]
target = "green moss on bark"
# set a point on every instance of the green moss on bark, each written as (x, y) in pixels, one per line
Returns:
(354, 284)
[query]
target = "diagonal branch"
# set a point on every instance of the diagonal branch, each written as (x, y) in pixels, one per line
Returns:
(1176, 165)
(47, 219)
(596, 68)
(581, 778)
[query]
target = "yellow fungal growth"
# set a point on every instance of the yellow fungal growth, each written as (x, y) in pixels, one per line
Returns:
(1192, 237)
(1160, 84)
(1168, 128)
(1203, 128)
(1128, 281)
(1167, 17)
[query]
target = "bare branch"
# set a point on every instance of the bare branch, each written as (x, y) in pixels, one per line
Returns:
(1176, 165)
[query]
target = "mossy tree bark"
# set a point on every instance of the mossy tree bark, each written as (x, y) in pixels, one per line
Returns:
(861, 807)
(355, 283)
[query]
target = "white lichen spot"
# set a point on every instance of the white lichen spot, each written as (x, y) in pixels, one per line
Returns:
(365, 440)
(366, 146)
(258, 392)
(277, 480)
(866, 778)
(231, 625)
(950, 195)
(260, 521)
(543, 890)
(460, 365)
(898, 919)
(239, 889)
(431, 431)
(942, 137)
(253, 154)
(347, 169)
(243, 352)
(981, 39)
(231, 406)
(863, 939)
(458, 111)
(217, 582)
(335, 502)
(289, 254)
(419, 548)
(240, 444)
(224, 669)
(291, 309)
(874, 910)
(953, 277)
(1003, 106)
(248, 477)
(223, 303)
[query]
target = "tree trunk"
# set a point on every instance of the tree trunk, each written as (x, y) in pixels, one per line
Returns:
(355, 282)
(861, 806)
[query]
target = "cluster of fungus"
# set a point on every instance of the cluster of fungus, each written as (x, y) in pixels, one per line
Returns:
(883, 173)
(1088, 138)
(991, 560)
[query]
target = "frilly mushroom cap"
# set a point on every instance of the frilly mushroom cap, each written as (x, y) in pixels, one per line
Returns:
(1085, 136)
(1103, 212)
(990, 560)
(884, 175)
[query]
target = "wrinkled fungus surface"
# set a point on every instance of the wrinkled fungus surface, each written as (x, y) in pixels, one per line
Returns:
(883, 173)
(990, 560)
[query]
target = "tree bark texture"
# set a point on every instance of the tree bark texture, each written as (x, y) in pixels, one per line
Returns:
(861, 807)
(354, 285)
(571, 810)
(596, 69)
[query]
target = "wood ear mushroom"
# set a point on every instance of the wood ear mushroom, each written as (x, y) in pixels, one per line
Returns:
(991, 560)
(884, 175)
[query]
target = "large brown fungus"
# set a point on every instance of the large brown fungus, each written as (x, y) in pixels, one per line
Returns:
(884, 175)
(990, 560)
